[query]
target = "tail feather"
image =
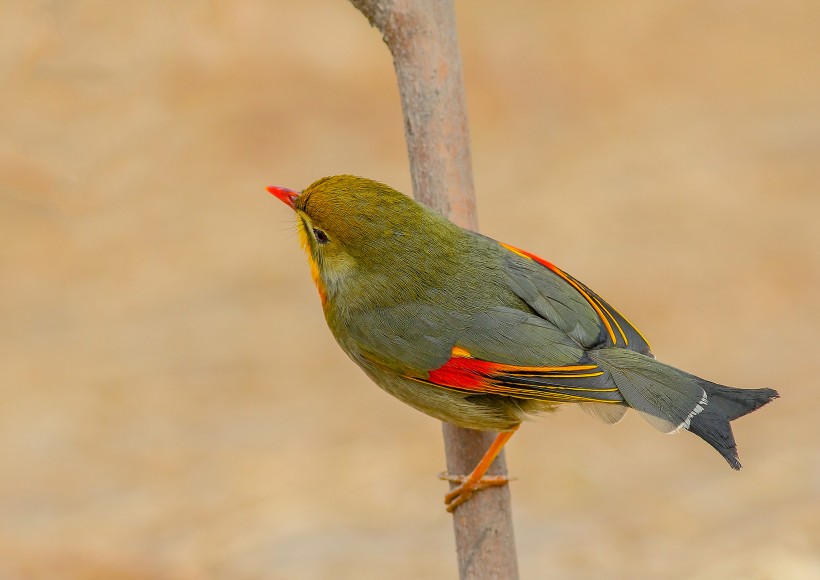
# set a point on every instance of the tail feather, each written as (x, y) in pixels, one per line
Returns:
(734, 402)
(727, 404)
(671, 399)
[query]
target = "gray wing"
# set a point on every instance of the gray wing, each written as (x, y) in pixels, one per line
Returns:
(415, 338)
(569, 304)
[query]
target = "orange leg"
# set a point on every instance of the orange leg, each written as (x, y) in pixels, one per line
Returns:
(477, 480)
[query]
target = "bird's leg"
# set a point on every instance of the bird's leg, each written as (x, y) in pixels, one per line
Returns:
(477, 480)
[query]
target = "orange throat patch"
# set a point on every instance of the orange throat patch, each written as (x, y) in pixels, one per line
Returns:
(314, 267)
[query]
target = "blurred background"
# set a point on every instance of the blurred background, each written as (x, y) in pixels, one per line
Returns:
(173, 405)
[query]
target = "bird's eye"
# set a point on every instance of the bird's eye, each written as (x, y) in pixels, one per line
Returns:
(321, 236)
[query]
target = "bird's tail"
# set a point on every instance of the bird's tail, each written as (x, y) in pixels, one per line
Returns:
(671, 399)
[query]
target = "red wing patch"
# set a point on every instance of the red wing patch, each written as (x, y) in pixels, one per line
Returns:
(557, 384)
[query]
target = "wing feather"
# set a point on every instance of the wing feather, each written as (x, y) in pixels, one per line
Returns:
(582, 382)
(594, 322)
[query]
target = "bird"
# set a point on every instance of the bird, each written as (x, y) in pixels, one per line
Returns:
(482, 334)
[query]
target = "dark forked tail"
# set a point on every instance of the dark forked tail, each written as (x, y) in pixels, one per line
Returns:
(671, 399)
(726, 404)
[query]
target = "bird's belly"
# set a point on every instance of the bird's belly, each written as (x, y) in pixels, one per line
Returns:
(482, 412)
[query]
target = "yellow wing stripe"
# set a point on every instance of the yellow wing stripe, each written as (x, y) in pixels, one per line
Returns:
(560, 375)
(589, 299)
(593, 301)
(635, 328)
(614, 320)
(460, 352)
(532, 394)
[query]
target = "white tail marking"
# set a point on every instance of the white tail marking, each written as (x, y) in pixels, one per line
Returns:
(697, 410)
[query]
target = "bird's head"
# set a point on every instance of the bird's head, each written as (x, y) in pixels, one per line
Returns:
(351, 224)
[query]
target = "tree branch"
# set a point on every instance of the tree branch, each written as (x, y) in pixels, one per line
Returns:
(421, 36)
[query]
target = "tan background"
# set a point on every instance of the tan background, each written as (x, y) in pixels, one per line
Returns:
(172, 403)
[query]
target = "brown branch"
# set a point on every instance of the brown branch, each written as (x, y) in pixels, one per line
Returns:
(421, 36)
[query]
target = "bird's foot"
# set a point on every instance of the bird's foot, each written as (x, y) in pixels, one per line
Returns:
(467, 487)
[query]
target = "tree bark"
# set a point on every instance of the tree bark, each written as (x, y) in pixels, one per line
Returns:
(421, 35)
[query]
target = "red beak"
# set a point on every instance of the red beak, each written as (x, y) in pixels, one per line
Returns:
(285, 194)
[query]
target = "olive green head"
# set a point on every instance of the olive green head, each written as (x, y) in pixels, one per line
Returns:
(352, 224)
(358, 216)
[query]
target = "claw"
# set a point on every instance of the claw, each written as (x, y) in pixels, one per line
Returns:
(467, 487)
(469, 484)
